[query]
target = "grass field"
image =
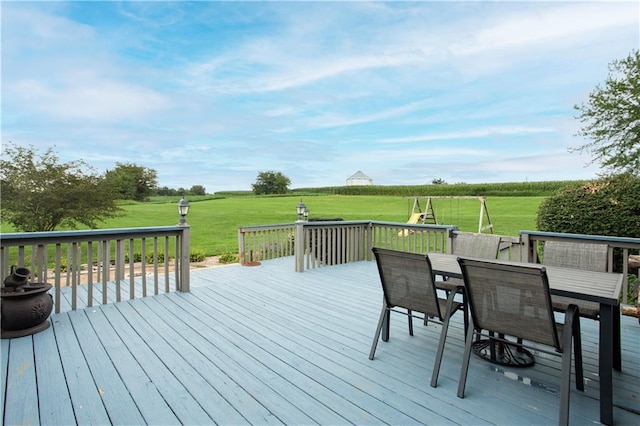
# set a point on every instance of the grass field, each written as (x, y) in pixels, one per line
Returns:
(215, 218)
(214, 222)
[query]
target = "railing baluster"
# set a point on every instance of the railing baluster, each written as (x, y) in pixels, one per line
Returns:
(143, 265)
(156, 286)
(57, 283)
(90, 273)
(167, 285)
(132, 271)
(71, 264)
(106, 267)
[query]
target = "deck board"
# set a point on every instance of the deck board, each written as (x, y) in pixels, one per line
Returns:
(267, 345)
(21, 402)
(114, 394)
(54, 398)
(86, 398)
(152, 406)
(139, 343)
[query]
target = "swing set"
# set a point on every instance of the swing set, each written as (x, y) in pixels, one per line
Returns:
(427, 214)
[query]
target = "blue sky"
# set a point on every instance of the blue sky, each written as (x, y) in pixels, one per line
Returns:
(211, 93)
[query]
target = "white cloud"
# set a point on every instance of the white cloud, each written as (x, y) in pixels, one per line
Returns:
(559, 24)
(94, 99)
(471, 134)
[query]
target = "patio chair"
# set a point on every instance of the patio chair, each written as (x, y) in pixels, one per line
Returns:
(586, 256)
(514, 300)
(408, 283)
(485, 246)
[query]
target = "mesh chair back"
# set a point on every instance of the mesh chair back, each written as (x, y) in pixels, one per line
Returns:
(485, 246)
(588, 256)
(407, 281)
(510, 299)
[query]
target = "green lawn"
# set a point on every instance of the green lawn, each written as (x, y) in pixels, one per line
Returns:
(214, 222)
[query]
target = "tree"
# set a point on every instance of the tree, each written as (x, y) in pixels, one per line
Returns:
(40, 194)
(133, 182)
(271, 183)
(197, 190)
(611, 118)
(166, 191)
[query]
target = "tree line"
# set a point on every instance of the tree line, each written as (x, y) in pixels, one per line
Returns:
(39, 193)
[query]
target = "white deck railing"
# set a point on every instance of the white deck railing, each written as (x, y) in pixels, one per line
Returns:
(265, 242)
(316, 244)
(134, 261)
(335, 242)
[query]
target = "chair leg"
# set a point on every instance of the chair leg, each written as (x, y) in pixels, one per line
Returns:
(465, 309)
(572, 324)
(386, 325)
(374, 345)
(577, 350)
(465, 361)
(565, 385)
(443, 339)
(410, 316)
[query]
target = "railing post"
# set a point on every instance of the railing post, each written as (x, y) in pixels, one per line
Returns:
(241, 246)
(527, 256)
(450, 239)
(299, 247)
(369, 244)
(185, 259)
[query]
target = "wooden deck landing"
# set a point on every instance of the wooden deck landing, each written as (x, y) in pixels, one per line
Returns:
(267, 345)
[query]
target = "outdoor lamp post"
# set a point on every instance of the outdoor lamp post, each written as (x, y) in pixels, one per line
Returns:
(183, 209)
(299, 245)
(300, 208)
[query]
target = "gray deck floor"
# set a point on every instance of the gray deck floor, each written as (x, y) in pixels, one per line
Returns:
(267, 345)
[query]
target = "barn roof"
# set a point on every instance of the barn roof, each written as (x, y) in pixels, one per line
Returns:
(358, 176)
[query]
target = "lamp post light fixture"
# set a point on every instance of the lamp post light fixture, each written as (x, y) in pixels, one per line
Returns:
(300, 208)
(305, 214)
(183, 209)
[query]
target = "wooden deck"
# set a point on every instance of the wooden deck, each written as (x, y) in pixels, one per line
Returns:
(267, 345)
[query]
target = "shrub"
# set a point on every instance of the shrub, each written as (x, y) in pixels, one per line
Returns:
(137, 257)
(607, 206)
(161, 259)
(197, 256)
(228, 257)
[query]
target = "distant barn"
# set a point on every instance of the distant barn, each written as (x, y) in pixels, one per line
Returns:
(360, 179)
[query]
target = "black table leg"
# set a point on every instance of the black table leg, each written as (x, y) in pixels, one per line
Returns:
(605, 367)
(617, 345)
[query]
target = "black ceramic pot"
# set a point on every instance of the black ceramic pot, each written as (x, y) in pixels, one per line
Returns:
(25, 307)
(19, 277)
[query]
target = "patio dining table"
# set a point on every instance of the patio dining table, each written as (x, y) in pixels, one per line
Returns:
(601, 287)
